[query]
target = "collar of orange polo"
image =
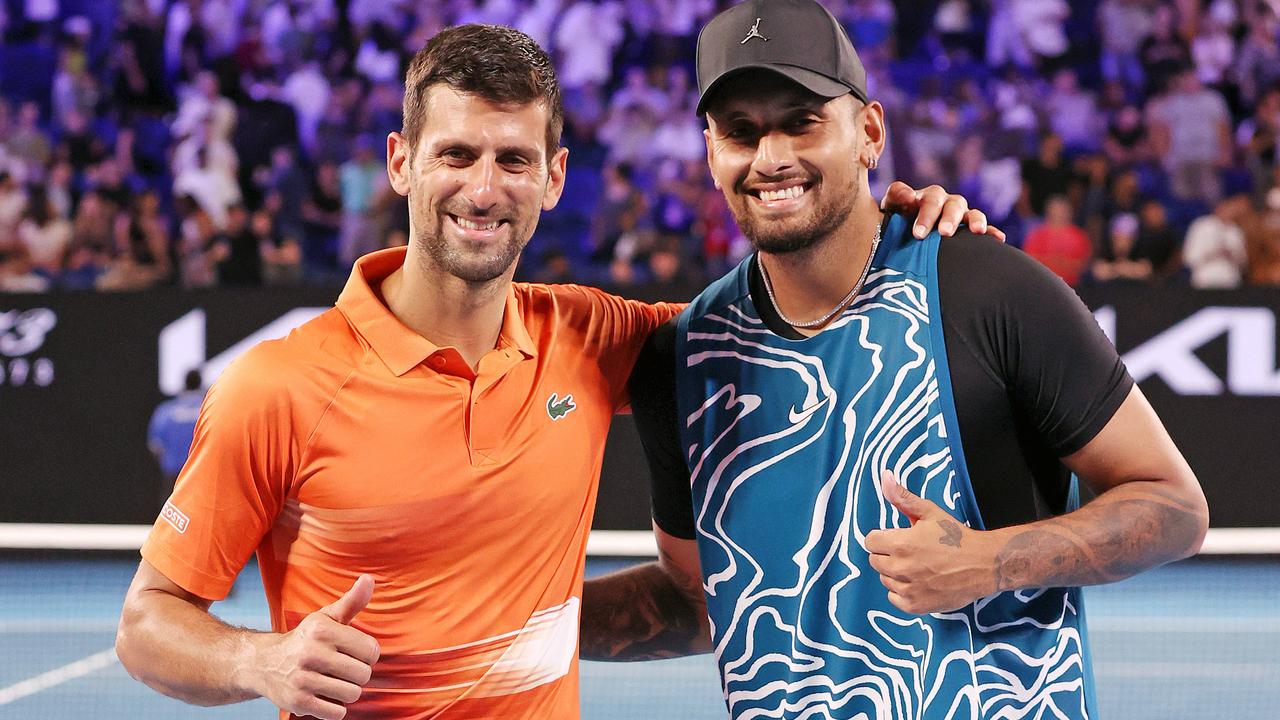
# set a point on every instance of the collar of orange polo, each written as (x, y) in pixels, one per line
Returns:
(399, 347)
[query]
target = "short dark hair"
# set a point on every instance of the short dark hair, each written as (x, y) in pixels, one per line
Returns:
(499, 64)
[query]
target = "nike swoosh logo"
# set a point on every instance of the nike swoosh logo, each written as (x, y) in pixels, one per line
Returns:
(799, 417)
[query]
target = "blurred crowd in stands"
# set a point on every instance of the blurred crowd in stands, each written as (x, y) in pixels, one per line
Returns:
(200, 143)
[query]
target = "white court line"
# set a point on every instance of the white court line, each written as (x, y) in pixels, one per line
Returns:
(57, 676)
(1143, 624)
(601, 543)
(1178, 624)
(1171, 670)
(54, 625)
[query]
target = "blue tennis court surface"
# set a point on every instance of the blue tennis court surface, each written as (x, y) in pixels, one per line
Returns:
(1195, 640)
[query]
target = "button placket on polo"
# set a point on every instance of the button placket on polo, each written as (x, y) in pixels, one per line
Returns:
(488, 420)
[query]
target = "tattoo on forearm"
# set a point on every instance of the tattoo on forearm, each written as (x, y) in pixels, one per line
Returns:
(1106, 541)
(642, 613)
(950, 533)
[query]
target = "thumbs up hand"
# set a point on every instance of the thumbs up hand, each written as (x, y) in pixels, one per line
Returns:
(937, 564)
(322, 664)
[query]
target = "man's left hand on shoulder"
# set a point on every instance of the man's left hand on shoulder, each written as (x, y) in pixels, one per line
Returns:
(936, 565)
(934, 206)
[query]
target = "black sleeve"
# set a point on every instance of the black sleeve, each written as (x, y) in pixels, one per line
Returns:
(653, 404)
(1034, 377)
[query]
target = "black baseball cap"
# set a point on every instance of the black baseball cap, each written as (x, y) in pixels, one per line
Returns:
(798, 39)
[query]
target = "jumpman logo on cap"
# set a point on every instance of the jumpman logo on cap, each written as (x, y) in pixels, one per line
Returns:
(754, 33)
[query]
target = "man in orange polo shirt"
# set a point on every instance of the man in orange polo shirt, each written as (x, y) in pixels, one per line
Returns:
(416, 469)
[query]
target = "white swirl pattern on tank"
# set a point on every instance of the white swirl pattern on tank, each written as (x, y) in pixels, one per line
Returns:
(797, 644)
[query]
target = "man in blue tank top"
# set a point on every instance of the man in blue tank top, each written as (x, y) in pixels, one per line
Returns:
(864, 445)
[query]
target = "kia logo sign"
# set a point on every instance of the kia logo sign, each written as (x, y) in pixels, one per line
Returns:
(1171, 354)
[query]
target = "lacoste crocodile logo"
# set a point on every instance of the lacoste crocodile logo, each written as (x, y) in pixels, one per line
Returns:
(557, 408)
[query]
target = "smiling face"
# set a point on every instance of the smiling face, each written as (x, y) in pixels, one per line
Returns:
(477, 180)
(788, 161)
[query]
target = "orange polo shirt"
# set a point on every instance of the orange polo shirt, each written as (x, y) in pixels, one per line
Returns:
(355, 446)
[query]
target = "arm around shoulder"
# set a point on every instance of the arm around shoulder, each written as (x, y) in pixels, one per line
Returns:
(648, 612)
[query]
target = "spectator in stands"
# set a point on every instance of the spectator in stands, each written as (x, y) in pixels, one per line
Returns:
(1257, 67)
(1191, 132)
(322, 222)
(637, 91)
(933, 129)
(555, 268)
(628, 133)
(871, 25)
(1215, 251)
(60, 188)
(680, 184)
(666, 265)
(1073, 113)
(1058, 243)
(333, 133)
(250, 55)
(286, 180)
(307, 90)
(589, 32)
(43, 235)
(1090, 194)
(1259, 137)
(1127, 141)
(141, 247)
(1163, 54)
(94, 221)
(1120, 260)
(138, 62)
(956, 26)
(238, 251)
(679, 133)
(622, 209)
(17, 275)
(74, 87)
(1045, 175)
(536, 19)
(108, 178)
(213, 188)
(27, 142)
(1158, 241)
(13, 202)
(1026, 32)
(1262, 240)
(1122, 26)
(80, 144)
(1016, 99)
(1124, 197)
(197, 250)
(378, 57)
(1213, 50)
(83, 265)
(281, 254)
(721, 238)
(361, 179)
(206, 120)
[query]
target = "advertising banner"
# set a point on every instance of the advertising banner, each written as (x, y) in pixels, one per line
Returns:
(80, 376)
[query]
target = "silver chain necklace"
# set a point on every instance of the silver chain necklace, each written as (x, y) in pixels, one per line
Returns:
(768, 287)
